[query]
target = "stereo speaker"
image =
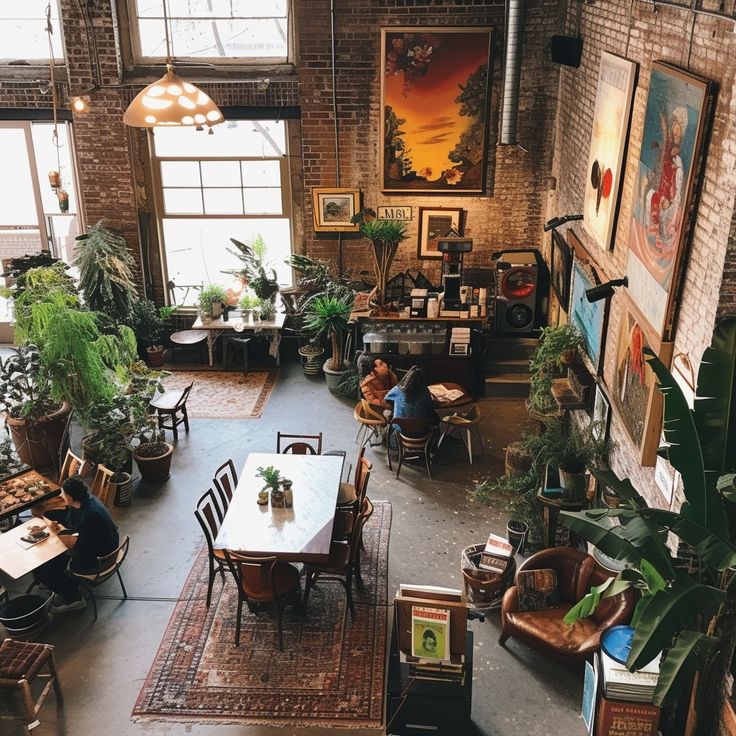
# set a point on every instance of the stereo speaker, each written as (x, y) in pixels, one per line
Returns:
(567, 50)
(517, 300)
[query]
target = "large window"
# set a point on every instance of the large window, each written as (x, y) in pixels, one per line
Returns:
(23, 31)
(244, 31)
(210, 188)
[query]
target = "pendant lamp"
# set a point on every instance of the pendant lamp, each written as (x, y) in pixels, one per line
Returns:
(171, 100)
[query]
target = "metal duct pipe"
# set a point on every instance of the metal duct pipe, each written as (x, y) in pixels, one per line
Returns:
(515, 10)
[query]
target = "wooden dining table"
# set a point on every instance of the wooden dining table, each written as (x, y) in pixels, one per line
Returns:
(17, 558)
(299, 534)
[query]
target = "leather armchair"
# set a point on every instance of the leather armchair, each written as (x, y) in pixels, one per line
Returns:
(545, 630)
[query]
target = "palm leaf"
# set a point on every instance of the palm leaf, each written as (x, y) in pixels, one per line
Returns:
(624, 488)
(596, 529)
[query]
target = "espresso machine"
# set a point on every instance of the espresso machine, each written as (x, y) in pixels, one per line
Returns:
(453, 248)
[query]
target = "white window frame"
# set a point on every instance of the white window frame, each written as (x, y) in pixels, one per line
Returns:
(21, 70)
(161, 214)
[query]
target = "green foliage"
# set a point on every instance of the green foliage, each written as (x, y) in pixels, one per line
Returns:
(385, 237)
(25, 386)
(211, 293)
(259, 274)
(271, 477)
(249, 301)
(9, 461)
(349, 386)
(384, 231)
(147, 322)
(329, 315)
(106, 272)
(266, 310)
(570, 447)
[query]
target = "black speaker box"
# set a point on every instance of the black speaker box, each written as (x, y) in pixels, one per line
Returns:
(567, 50)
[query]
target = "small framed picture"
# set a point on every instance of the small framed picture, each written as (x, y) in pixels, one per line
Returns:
(333, 209)
(560, 268)
(435, 223)
(459, 348)
(601, 414)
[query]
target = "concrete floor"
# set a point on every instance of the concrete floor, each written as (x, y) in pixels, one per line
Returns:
(103, 664)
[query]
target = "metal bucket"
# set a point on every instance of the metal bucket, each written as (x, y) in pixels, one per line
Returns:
(25, 615)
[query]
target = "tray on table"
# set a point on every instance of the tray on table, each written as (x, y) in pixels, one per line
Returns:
(37, 489)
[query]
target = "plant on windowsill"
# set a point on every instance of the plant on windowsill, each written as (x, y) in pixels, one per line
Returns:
(147, 322)
(256, 272)
(210, 301)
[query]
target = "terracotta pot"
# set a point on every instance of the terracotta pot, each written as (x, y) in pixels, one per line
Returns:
(155, 469)
(38, 442)
(155, 356)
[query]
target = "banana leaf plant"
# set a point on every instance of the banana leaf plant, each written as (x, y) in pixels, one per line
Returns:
(679, 612)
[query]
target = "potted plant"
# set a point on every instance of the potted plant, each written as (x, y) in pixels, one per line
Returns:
(210, 301)
(249, 304)
(106, 272)
(266, 311)
(385, 237)
(147, 322)
(255, 271)
(329, 315)
(9, 462)
(272, 482)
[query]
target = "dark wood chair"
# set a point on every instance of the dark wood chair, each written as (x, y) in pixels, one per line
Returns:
(263, 580)
(226, 480)
(344, 561)
(171, 404)
(350, 500)
(107, 566)
(209, 516)
(414, 437)
(299, 444)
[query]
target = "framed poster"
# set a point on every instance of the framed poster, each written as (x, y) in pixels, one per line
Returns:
(636, 397)
(434, 109)
(611, 119)
(601, 418)
(333, 208)
(668, 164)
(560, 268)
(435, 223)
(591, 319)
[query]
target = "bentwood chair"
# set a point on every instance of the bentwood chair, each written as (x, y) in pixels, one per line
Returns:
(299, 444)
(226, 480)
(170, 405)
(102, 486)
(349, 508)
(207, 513)
(107, 566)
(466, 425)
(371, 424)
(263, 580)
(343, 563)
(414, 437)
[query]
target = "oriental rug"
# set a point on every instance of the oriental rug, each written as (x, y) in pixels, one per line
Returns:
(330, 674)
(223, 395)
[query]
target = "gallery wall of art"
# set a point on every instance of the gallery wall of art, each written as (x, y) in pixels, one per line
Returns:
(661, 216)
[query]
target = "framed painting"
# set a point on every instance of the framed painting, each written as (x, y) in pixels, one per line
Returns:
(669, 162)
(434, 109)
(636, 397)
(435, 223)
(611, 119)
(333, 208)
(590, 319)
(601, 418)
(560, 269)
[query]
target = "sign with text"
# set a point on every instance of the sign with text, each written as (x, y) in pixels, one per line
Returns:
(395, 213)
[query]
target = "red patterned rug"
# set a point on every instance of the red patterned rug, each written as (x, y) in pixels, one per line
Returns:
(330, 674)
(223, 394)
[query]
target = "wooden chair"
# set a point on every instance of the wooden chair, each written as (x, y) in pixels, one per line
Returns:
(465, 424)
(372, 424)
(107, 566)
(226, 480)
(300, 445)
(21, 663)
(263, 580)
(355, 491)
(169, 405)
(210, 518)
(414, 438)
(73, 465)
(102, 484)
(343, 563)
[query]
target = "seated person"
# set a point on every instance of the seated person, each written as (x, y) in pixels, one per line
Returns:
(93, 534)
(377, 383)
(412, 398)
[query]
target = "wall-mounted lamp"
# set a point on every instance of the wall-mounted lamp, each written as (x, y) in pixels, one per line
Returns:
(555, 222)
(603, 291)
(80, 104)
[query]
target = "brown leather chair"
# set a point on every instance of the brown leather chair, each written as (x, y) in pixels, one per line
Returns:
(545, 630)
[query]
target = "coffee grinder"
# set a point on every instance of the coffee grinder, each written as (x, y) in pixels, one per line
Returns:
(452, 247)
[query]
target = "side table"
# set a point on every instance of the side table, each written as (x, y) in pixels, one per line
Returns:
(552, 508)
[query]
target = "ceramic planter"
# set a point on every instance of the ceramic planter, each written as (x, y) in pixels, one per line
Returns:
(123, 489)
(312, 359)
(575, 484)
(155, 356)
(334, 377)
(516, 532)
(155, 469)
(38, 442)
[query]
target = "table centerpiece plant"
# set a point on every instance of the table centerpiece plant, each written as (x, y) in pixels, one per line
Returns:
(249, 304)
(210, 301)
(272, 483)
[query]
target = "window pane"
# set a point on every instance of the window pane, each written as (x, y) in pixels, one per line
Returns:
(17, 202)
(216, 8)
(23, 31)
(263, 202)
(231, 139)
(223, 202)
(46, 160)
(196, 255)
(220, 174)
(180, 173)
(263, 173)
(183, 201)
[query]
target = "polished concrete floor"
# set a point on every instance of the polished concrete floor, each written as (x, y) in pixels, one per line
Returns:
(103, 664)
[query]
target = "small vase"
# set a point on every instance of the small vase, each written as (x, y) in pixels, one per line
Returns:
(277, 498)
(262, 498)
(288, 494)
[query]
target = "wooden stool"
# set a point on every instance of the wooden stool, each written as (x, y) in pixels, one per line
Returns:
(242, 343)
(185, 338)
(20, 664)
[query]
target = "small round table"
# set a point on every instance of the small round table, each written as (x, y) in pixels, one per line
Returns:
(186, 338)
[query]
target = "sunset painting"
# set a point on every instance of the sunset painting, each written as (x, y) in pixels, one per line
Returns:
(434, 102)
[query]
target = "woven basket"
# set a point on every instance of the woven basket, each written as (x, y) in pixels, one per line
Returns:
(483, 590)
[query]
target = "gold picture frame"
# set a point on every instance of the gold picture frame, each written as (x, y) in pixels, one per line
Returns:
(333, 208)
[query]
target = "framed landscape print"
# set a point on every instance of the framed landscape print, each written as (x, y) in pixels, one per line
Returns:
(560, 268)
(668, 167)
(333, 208)
(635, 394)
(601, 418)
(434, 223)
(434, 109)
(590, 318)
(611, 118)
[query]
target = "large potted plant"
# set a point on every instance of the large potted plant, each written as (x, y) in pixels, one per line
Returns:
(329, 315)
(256, 272)
(147, 322)
(385, 237)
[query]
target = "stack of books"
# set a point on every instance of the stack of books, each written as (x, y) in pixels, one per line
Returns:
(496, 556)
(635, 687)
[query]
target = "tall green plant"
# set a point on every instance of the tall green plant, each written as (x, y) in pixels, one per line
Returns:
(385, 237)
(259, 274)
(676, 612)
(106, 272)
(329, 315)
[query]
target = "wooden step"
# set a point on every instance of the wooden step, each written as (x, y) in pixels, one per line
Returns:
(499, 367)
(509, 348)
(509, 385)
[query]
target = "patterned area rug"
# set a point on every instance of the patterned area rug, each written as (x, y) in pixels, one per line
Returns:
(331, 672)
(224, 395)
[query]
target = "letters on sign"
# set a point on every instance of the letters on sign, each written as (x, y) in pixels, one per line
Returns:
(394, 213)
